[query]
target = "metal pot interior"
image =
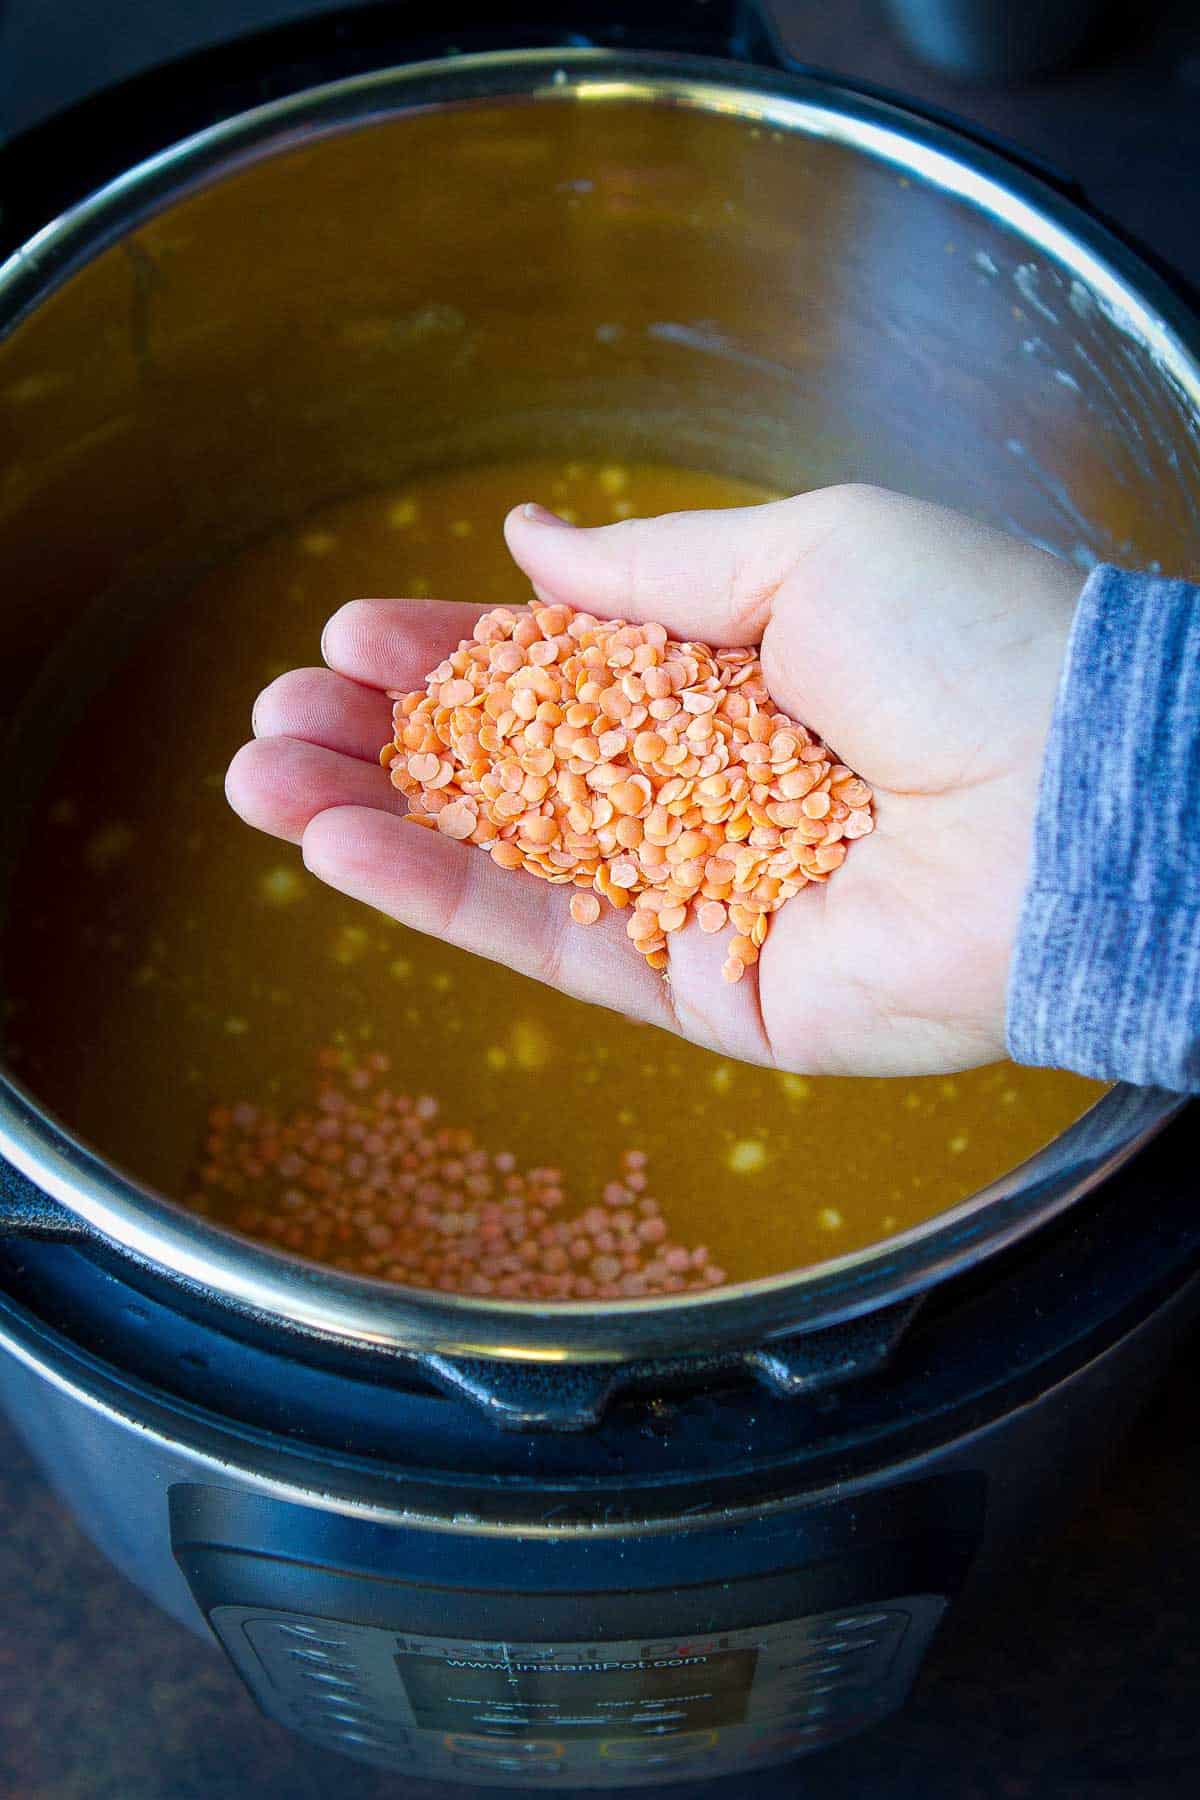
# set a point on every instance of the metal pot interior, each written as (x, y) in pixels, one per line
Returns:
(584, 252)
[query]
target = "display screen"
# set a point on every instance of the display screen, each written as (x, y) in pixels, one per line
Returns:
(579, 1697)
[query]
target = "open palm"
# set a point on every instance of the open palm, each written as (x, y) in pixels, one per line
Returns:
(923, 648)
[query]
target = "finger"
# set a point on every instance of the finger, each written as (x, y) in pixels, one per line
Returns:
(323, 708)
(708, 1009)
(704, 575)
(395, 643)
(278, 784)
(456, 893)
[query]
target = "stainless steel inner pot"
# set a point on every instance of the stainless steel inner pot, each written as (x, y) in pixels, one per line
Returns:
(578, 251)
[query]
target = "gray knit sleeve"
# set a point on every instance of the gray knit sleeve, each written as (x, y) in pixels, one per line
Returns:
(1106, 976)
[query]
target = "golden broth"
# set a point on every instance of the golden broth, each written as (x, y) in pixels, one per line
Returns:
(164, 959)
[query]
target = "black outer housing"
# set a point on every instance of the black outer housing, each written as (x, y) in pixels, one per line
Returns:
(983, 1345)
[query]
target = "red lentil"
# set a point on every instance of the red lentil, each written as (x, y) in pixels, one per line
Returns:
(371, 1181)
(612, 757)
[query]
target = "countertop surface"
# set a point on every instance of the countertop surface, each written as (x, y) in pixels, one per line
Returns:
(1084, 1683)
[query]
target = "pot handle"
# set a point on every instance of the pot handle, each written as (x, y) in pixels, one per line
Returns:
(808, 1365)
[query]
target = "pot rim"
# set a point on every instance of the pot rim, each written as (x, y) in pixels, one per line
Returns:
(379, 1316)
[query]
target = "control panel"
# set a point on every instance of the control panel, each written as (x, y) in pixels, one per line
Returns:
(607, 1714)
(576, 1658)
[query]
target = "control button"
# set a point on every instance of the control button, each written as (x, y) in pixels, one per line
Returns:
(346, 1714)
(861, 1621)
(396, 1740)
(804, 1712)
(771, 1740)
(517, 1753)
(645, 1753)
(321, 1658)
(360, 1740)
(826, 1655)
(311, 1635)
(508, 1766)
(808, 1704)
(322, 1678)
(330, 1700)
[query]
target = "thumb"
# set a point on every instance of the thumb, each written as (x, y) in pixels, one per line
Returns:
(704, 575)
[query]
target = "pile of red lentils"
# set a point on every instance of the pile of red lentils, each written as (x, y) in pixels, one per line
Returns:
(645, 772)
(370, 1180)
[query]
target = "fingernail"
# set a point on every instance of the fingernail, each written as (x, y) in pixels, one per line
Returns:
(541, 515)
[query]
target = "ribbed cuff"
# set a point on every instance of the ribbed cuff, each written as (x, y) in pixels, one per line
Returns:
(1106, 974)
(1097, 985)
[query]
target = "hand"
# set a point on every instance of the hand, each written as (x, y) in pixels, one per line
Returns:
(923, 648)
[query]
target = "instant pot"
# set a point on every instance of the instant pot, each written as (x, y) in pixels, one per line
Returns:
(563, 1546)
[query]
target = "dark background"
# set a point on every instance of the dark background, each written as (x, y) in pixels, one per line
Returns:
(1084, 1684)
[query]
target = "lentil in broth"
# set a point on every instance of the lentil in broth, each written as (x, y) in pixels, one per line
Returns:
(180, 988)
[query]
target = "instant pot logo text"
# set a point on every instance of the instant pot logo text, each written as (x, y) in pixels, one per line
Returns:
(633, 1665)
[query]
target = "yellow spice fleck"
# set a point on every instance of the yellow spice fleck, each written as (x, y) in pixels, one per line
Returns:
(958, 1144)
(236, 1027)
(402, 513)
(796, 1087)
(401, 969)
(318, 543)
(747, 1156)
(829, 1219)
(352, 940)
(281, 886)
(496, 1058)
(613, 479)
(531, 1045)
(461, 528)
(721, 1078)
